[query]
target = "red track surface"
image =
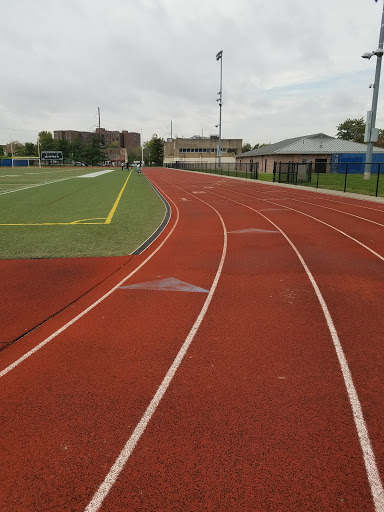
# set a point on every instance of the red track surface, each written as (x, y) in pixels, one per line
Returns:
(257, 416)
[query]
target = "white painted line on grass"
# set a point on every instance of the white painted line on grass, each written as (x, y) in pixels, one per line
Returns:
(96, 173)
(37, 185)
(126, 452)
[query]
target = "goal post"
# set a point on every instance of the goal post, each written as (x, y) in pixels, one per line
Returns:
(25, 161)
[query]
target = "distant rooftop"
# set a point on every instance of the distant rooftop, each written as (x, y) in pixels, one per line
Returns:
(318, 143)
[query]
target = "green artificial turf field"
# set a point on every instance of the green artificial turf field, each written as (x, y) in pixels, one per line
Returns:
(56, 213)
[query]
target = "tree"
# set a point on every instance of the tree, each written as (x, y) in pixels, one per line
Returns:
(65, 146)
(94, 152)
(154, 150)
(351, 129)
(1, 151)
(18, 148)
(47, 142)
(246, 147)
(258, 146)
(77, 150)
(30, 149)
(134, 154)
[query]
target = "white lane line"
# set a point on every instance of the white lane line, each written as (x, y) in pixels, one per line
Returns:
(306, 215)
(336, 210)
(372, 471)
(323, 198)
(80, 315)
(126, 452)
(289, 198)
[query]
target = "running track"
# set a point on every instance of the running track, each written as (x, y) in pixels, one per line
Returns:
(262, 390)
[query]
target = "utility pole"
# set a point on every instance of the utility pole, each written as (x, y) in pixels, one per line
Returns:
(171, 129)
(98, 111)
(371, 133)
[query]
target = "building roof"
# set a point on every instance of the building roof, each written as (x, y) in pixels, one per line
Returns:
(318, 143)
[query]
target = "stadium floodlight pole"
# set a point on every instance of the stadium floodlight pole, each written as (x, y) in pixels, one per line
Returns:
(142, 147)
(371, 133)
(219, 56)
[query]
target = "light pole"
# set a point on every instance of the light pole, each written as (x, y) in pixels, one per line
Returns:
(219, 56)
(371, 133)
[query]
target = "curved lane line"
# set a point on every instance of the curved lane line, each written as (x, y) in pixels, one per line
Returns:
(89, 308)
(372, 471)
(334, 209)
(126, 452)
(306, 215)
(335, 200)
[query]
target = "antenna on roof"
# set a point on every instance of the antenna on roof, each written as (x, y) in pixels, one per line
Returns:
(321, 141)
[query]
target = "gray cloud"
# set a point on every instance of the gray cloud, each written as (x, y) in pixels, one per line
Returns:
(289, 68)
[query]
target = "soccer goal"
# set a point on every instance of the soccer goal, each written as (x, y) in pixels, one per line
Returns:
(25, 161)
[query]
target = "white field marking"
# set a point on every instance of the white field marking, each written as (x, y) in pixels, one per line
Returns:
(126, 452)
(96, 173)
(199, 192)
(85, 311)
(184, 199)
(373, 474)
(311, 217)
(37, 185)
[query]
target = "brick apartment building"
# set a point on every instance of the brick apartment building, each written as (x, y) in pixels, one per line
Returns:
(72, 135)
(125, 139)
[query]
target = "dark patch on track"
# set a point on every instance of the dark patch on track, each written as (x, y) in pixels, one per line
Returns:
(6, 344)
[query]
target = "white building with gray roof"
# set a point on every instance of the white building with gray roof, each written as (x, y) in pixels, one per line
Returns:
(319, 149)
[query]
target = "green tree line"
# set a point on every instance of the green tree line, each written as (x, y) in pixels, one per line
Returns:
(91, 152)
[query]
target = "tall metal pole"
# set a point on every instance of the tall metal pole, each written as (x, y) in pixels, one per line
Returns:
(375, 95)
(142, 147)
(219, 56)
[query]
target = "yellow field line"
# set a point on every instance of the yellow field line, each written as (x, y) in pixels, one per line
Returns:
(80, 221)
(112, 212)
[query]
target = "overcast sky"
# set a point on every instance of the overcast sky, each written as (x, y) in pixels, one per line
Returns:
(290, 67)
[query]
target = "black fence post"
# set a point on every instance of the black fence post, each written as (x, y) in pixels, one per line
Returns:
(274, 172)
(377, 180)
(346, 174)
